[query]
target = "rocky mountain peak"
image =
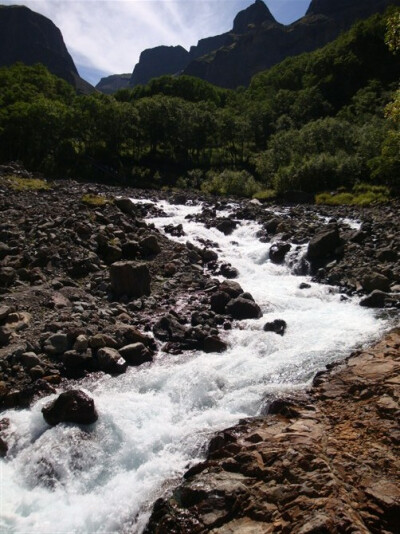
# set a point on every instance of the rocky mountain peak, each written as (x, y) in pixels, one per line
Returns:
(256, 14)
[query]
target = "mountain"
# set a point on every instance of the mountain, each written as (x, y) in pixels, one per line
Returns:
(31, 38)
(257, 41)
(158, 61)
(111, 84)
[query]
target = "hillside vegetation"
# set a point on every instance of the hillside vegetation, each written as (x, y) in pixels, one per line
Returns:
(319, 121)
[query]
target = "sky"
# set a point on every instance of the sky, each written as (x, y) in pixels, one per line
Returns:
(107, 36)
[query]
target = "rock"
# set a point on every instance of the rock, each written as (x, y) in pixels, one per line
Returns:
(168, 328)
(111, 361)
(218, 301)
(278, 251)
(5, 312)
(125, 205)
(149, 246)
(386, 254)
(56, 344)
(376, 299)
(30, 359)
(232, 288)
(130, 250)
(240, 308)
(304, 285)
(73, 406)
(376, 281)
(136, 354)
(99, 341)
(78, 360)
(36, 372)
(323, 246)
(228, 271)
(209, 255)
(226, 226)
(278, 326)
(214, 344)
(81, 343)
(131, 279)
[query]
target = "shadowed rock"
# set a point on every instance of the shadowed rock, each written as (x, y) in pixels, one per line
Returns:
(73, 406)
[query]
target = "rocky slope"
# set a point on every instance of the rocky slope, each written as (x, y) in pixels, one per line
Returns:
(111, 84)
(31, 38)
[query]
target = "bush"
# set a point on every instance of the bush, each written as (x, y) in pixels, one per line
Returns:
(94, 200)
(265, 194)
(16, 183)
(361, 195)
(235, 183)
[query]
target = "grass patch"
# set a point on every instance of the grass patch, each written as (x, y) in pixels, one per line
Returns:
(17, 183)
(94, 200)
(361, 195)
(266, 194)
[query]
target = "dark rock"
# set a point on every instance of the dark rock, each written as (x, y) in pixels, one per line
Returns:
(278, 326)
(226, 226)
(136, 354)
(125, 205)
(232, 288)
(240, 308)
(278, 251)
(376, 299)
(56, 344)
(228, 271)
(219, 300)
(130, 250)
(73, 406)
(323, 246)
(303, 285)
(374, 281)
(168, 328)
(214, 344)
(209, 255)
(131, 279)
(386, 254)
(110, 361)
(150, 246)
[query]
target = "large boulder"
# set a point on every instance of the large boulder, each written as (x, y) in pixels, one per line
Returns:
(73, 406)
(218, 301)
(376, 299)
(243, 308)
(136, 354)
(324, 245)
(373, 281)
(278, 251)
(126, 205)
(149, 246)
(232, 288)
(129, 278)
(110, 361)
(168, 328)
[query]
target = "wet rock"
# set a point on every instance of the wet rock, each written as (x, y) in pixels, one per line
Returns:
(110, 361)
(242, 308)
(130, 279)
(214, 344)
(278, 251)
(304, 285)
(135, 354)
(228, 271)
(30, 359)
(168, 328)
(324, 245)
(73, 406)
(226, 226)
(278, 326)
(125, 205)
(130, 250)
(232, 288)
(218, 301)
(376, 299)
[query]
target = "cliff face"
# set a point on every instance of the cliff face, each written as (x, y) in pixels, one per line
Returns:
(158, 61)
(258, 42)
(111, 84)
(31, 38)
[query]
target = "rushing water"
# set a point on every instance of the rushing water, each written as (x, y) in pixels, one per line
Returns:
(155, 420)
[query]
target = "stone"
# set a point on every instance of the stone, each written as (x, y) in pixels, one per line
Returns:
(278, 251)
(81, 343)
(110, 361)
(125, 205)
(374, 281)
(135, 354)
(73, 406)
(228, 271)
(323, 246)
(168, 328)
(232, 288)
(130, 250)
(218, 301)
(130, 279)
(278, 326)
(30, 359)
(226, 226)
(240, 308)
(386, 254)
(214, 344)
(149, 246)
(376, 299)
(56, 344)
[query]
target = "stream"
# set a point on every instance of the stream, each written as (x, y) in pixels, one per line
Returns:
(155, 420)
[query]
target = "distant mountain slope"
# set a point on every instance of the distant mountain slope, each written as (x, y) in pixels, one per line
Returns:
(31, 38)
(254, 47)
(111, 84)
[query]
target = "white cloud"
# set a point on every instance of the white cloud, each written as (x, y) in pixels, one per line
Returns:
(108, 36)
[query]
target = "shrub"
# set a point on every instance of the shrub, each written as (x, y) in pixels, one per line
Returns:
(361, 195)
(228, 182)
(94, 200)
(17, 183)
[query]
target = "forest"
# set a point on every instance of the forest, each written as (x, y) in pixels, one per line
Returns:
(321, 121)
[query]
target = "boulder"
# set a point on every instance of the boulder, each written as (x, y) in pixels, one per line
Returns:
(241, 308)
(168, 328)
(232, 288)
(278, 251)
(149, 246)
(56, 344)
(110, 361)
(386, 254)
(226, 226)
(125, 205)
(73, 406)
(136, 354)
(129, 278)
(374, 281)
(218, 301)
(376, 299)
(278, 326)
(214, 344)
(228, 271)
(324, 245)
(130, 250)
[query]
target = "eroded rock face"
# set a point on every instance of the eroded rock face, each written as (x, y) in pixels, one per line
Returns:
(327, 462)
(72, 406)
